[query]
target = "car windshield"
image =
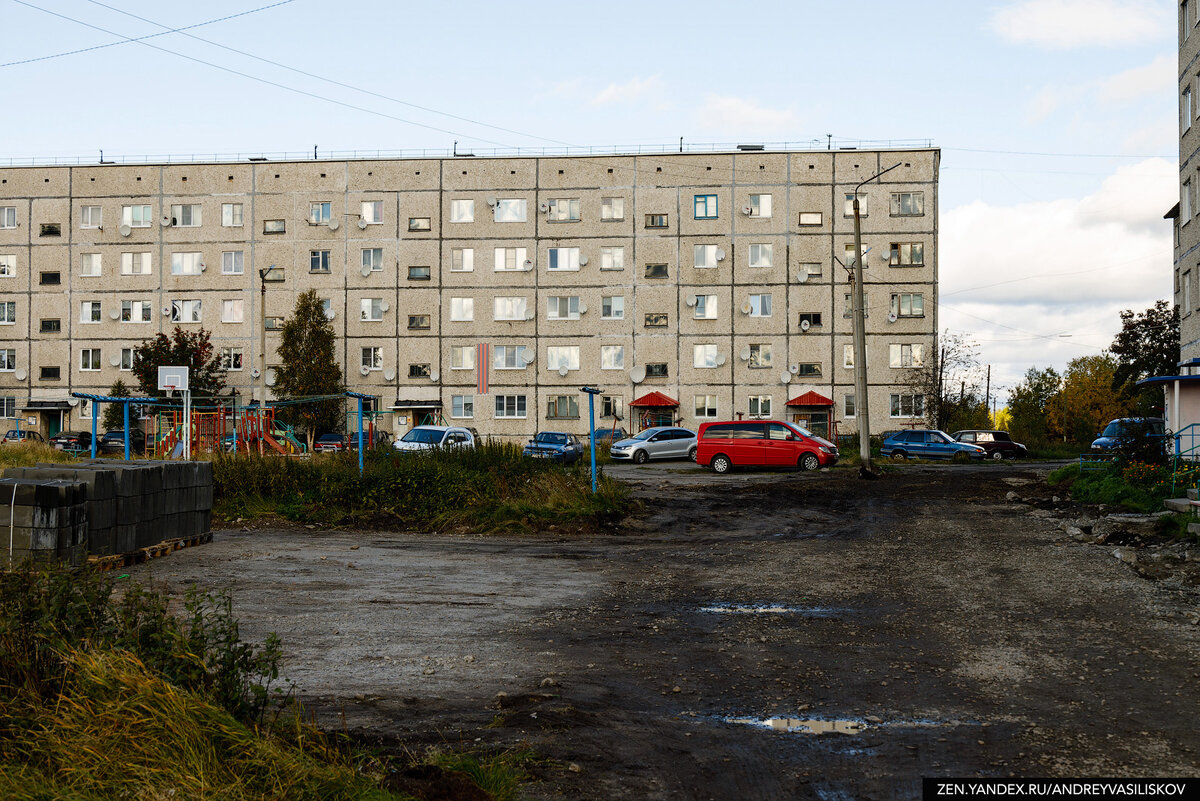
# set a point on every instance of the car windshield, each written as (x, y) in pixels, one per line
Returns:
(801, 429)
(647, 434)
(552, 439)
(425, 436)
(939, 436)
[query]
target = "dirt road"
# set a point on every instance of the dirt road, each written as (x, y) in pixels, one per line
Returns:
(943, 630)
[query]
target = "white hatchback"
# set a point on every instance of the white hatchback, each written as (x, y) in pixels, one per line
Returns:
(424, 438)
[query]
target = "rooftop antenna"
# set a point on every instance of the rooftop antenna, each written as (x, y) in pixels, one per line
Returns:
(829, 142)
(681, 144)
(314, 152)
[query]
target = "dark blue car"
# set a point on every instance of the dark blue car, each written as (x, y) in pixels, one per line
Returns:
(1125, 429)
(928, 444)
(556, 445)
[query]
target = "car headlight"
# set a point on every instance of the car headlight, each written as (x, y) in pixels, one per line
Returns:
(827, 449)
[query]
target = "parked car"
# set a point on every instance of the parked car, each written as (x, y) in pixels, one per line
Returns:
(382, 438)
(998, 444)
(113, 441)
(607, 435)
(330, 443)
(73, 441)
(14, 435)
(1126, 427)
(928, 444)
(555, 445)
(762, 443)
(660, 442)
(425, 438)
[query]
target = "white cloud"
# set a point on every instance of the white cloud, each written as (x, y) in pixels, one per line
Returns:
(1157, 77)
(1065, 24)
(634, 88)
(1045, 103)
(1153, 138)
(736, 115)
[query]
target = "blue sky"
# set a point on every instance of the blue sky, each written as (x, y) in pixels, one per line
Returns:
(1033, 246)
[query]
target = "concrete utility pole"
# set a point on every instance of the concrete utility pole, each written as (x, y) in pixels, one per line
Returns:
(861, 406)
(262, 353)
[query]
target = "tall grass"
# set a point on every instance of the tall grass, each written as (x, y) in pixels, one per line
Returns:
(28, 454)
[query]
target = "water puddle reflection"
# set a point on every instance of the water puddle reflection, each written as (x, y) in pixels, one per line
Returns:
(772, 609)
(805, 725)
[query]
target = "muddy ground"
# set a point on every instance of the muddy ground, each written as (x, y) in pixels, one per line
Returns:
(948, 631)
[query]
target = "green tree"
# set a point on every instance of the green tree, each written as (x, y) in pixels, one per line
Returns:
(1147, 345)
(1086, 401)
(191, 349)
(114, 414)
(1027, 405)
(308, 367)
(951, 380)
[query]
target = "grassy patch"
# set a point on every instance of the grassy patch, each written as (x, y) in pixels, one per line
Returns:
(1137, 487)
(28, 454)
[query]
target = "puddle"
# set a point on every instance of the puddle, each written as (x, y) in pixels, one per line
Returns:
(805, 725)
(773, 609)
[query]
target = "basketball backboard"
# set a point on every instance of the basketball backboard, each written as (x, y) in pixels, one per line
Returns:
(173, 378)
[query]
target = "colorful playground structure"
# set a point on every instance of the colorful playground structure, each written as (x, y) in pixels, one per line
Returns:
(247, 429)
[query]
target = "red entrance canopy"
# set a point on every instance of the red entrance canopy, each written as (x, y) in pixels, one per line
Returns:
(655, 399)
(810, 399)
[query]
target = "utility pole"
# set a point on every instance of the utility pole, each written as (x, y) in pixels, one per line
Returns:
(262, 354)
(861, 406)
(987, 394)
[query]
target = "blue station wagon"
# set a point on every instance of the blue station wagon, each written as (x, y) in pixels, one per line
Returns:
(928, 444)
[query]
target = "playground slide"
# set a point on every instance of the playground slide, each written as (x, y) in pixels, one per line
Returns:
(273, 442)
(295, 443)
(177, 451)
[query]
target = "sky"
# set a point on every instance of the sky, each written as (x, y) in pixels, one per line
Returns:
(1057, 119)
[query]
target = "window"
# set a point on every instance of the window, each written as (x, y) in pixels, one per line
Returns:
(372, 259)
(186, 215)
(89, 359)
(908, 304)
(8, 216)
(418, 273)
(1184, 15)
(1185, 108)
(761, 255)
(1187, 292)
(909, 204)
(612, 258)
(811, 218)
(612, 357)
(760, 206)
(809, 369)
(49, 373)
(185, 264)
(612, 209)
(231, 358)
(275, 323)
(128, 358)
(704, 356)
(812, 318)
(232, 262)
(372, 358)
(462, 310)
(848, 406)
(760, 357)
(320, 213)
(509, 259)
(509, 210)
(509, 357)
(50, 229)
(706, 405)
(847, 356)
(612, 307)
(562, 307)
(906, 355)
(656, 220)
(705, 207)
(8, 312)
(462, 260)
(656, 271)
(656, 370)
(137, 216)
(1185, 201)
(418, 371)
(51, 325)
(327, 308)
(563, 406)
(231, 215)
(907, 254)
(318, 261)
(371, 212)
(462, 407)
(8, 407)
(704, 257)
(810, 269)
(759, 406)
(136, 311)
(849, 310)
(462, 357)
(135, 264)
(49, 278)
(274, 226)
(418, 322)
(185, 311)
(906, 404)
(509, 308)
(462, 211)
(8, 360)
(611, 406)
(510, 406)
(420, 224)
(848, 256)
(705, 308)
(231, 311)
(848, 209)
(563, 210)
(657, 319)
(564, 260)
(90, 265)
(89, 312)
(560, 356)
(760, 305)
(91, 217)
(8, 266)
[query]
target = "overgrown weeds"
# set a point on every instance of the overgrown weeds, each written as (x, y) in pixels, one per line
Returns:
(1135, 486)
(28, 454)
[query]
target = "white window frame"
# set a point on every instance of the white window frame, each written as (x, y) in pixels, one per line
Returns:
(371, 357)
(704, 257)
(849, 308)
(137, 311)
(137, 215)
(849, 406)
(915, 202)
(501, 357)
(187, 215)
(462, 407)
(914, 301)
(704, 407)
(612, 209)
(557, 304)
(562, 209)
(91, 216)
(370, 262)
(896, 405)
(184, 312)
(91, 265)
(141, 260)
(511, 210)
(612, 307)
(8, 265)
(704, 357)
(8, 360)
(758, 407)
(462, 310)
(232, 215)
(233, 310)
(612, 258)
(128, 359)
(1185, 108)
(562, 260)
(462, 357)
(906, 254)
(762, 255)
(462, 210)
(848, 208)
(518, 258)
(558, 356)
(8, 217)
(8, 312)
(1185, 201)
(510, 407)
(705, 308)
(612, 357)
(323, 259)
(187, 262)
(761, 356)
(90, 312)
(89, 360)
(228, 360)
(371, 212)
(462, 260)
(510, 307)
(320, 212)
(760, 206)
(233, 262)
(903, 355)
(370, 310)
(760, 305)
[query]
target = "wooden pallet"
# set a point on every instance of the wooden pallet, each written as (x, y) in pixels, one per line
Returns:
(163, 548)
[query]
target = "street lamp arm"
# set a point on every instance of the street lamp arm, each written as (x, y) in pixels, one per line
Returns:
(873, 177)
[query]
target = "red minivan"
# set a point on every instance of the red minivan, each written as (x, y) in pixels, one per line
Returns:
(762, 443)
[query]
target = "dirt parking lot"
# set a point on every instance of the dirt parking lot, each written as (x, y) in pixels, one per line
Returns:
(753, 636)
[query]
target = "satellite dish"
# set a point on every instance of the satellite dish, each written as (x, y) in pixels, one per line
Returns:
(794, 369)
(72, 401)
(638, 374)
(334, 224)
(491, 201)
(802, 277)
(720, 255)
(115, 360)
(125, 230)
(785, 377)
(582, 307)
(805, 325)
(885, 255)
(389, 374)
(203, 266)
(329, 315)
(544, 207)
(362, 224)
(690, 300)
(166, 310)
(366, 270)
(385, 306)
(166, 221)
(563, 371)
(745, 354)
(256, 372)
(365, 370)
(529, 315)
(892, 317)
(746, 307)
(720, 359)
(114, 314)
(747, 210)
(528, 265)
(527, 358)
(435, 375)
(583, 261)
(20, 374)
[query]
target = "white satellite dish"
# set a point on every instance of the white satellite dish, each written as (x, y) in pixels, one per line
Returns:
(746, 307)
(690, 300)
(115, 360)
(720, 359)
(892, 317)
(805, 325)
(544, 207)
(203, 266)
(527, 358)
(802, 277)
(745, 353)
(747, 210)
(583, 261)
(114, 314)
(72, 402)
(365, 370)
(794, 369)
(389, 374)
(720, 255)
(435, 375)
(20, 374)
(582, 307)
(562, 371)
(166, 310)
(334, 223)
(785, 377)
(366, 270)
(166, 221)
(385, 306)
(256, 372)
(528, 265)
(125, 230)
(329, 315)
(885, 255)
(638, 374)
(529, 315)
(362, 224)
(491, 201)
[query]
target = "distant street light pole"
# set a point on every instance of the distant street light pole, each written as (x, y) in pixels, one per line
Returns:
(262, 352)
(861, 405)
(592, 392)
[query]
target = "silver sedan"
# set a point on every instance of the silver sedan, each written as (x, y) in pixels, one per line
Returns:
(661, 442)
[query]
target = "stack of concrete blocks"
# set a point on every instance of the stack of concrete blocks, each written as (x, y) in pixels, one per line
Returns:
(101, 500)
(47, 520)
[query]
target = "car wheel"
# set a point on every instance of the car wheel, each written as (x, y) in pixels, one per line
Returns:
(692, 453)
(809, 461)
(720, 463)
(899, 456)
(998, 455)
(640, 457)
